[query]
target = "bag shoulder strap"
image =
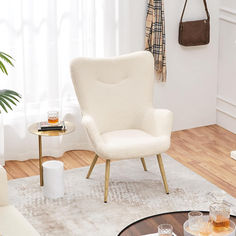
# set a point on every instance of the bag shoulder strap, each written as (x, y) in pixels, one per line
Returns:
(206, 9)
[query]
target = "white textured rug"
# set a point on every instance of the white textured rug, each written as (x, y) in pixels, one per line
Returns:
(133, 194)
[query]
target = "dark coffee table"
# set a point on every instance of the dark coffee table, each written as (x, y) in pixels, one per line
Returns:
(149, 224)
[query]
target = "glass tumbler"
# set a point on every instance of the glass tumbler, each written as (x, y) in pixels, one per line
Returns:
(165, 230)
(53, 117)
(194, 220)
(220, 216)
(205, 227)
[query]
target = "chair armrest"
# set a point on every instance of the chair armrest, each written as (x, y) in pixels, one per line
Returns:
(3, 187)
(92, 131)
(158, 122)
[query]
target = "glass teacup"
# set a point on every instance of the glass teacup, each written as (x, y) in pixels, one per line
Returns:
(220, 216)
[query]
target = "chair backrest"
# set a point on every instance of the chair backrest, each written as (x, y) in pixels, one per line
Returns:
(114, 91)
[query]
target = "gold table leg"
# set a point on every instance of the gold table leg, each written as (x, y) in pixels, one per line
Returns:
(107, 174)
(144, 164)
(162, 172)
(40, 160)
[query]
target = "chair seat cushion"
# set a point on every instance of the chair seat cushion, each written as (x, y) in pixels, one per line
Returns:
(13, 223)
(132, 143)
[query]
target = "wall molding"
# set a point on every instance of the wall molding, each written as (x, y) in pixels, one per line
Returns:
(227, 101)
(228, 10)
(225, 112)
(226, 109)
(228, 19)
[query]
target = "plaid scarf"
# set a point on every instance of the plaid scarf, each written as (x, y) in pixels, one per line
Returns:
(155, 35)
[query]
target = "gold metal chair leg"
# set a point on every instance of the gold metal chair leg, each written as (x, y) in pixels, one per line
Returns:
(162, 172)
(144, 164)
(107, 174)
(92, 165)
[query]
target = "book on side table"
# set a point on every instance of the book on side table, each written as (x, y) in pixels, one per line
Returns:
(45, 126)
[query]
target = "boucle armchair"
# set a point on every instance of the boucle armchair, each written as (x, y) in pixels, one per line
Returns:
(12, 222)
(115, 96)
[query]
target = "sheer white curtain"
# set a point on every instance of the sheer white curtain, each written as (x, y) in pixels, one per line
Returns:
(43, 36)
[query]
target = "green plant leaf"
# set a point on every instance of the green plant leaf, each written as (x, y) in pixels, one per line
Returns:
(11, 92)
(6, 98)
(7, 55)
(3, 106)
(6, 58)
(3, 68)
(10, 96)
(4, 101)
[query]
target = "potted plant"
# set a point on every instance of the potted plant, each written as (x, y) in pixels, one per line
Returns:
(7, 97)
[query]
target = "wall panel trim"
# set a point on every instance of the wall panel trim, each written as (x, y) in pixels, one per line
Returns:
(228, 10)
(226, 100)
(228, 19)
(225, 112)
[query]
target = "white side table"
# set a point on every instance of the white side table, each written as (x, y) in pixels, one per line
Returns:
(53, 175)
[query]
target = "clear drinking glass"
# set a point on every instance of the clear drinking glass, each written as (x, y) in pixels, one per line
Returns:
(194, 220)
(205, 226)
(165, 230)
(53, 117)
(220, 216)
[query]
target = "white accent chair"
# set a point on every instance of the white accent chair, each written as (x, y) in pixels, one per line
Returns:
(115, 96)
(12, 222)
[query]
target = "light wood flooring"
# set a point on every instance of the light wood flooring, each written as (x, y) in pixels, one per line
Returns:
(205, 150)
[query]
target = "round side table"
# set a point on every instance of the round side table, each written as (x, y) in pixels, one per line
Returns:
(149, 224)
(34, 130)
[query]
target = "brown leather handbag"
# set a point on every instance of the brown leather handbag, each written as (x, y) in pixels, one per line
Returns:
(194, 33)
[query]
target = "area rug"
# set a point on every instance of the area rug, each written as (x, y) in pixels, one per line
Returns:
(133, 194)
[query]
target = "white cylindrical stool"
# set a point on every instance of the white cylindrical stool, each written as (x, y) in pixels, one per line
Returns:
(53, 173)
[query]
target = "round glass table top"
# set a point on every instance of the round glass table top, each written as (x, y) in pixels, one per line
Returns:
(69, 128)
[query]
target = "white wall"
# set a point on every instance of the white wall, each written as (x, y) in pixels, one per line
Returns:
(226, 94)
(190, 90)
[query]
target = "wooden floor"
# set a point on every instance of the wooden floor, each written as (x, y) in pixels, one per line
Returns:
(205, 150)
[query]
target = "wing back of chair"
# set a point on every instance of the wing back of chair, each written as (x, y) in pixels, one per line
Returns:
(114, 91)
